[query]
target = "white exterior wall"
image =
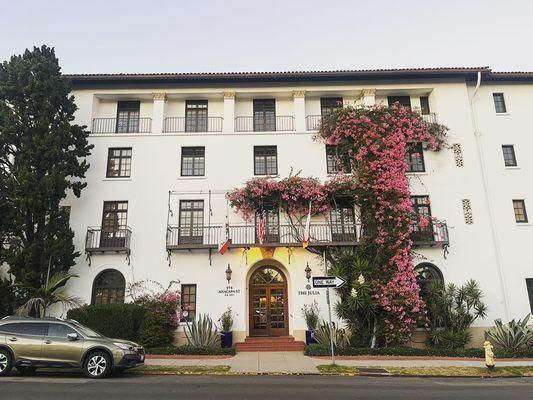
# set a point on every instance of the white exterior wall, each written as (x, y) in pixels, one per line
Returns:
(229, 163)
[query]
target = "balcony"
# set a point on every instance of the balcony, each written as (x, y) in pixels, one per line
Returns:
(255, 124)
(184, 124)
(430, 118)
(121, 125)
(98, 240)
(312, 122)
(209, 237)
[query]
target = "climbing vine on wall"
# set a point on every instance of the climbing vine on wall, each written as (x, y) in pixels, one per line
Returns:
(374, 141)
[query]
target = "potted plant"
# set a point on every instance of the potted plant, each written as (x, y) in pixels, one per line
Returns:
(311, 316)
(226, 322)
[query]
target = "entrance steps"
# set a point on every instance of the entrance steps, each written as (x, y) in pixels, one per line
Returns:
(269, 343)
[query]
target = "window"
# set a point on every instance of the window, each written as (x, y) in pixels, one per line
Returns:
(499, 103)
(334, 163)
(529, 285)
(33, 328)
(509, 157)
(424, 105)
(188, 302)
(192, 161)
(59, 330)
(114, 224)
(329, 104)
(265, 160)
(414, 158)
(421, 207)
(119, 163)
(403, 100)
(128, 113)
(108, 287)
(520, 214)
(426, 275)
(343, 221)
(271, 228)
(196, 116)
(11, 328)
(264, 115)
(191, 221)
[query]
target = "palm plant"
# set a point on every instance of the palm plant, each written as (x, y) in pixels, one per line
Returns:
(52, 292)
(203, 332)
(322, 336)
(512, 335)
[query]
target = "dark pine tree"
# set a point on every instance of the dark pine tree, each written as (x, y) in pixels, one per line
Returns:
(42, 158)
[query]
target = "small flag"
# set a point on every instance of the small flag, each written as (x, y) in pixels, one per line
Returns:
(261, 227)
(224, 246)
(305, 241)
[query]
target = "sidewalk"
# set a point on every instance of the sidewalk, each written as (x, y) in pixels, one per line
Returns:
(297, 363)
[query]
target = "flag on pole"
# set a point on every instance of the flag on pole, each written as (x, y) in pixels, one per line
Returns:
(305, 241)
(261, 227)
(224, 246)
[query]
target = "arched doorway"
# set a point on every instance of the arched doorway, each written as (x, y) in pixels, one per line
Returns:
(268, 302)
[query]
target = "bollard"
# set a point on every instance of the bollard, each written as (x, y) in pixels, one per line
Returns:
(489, 355)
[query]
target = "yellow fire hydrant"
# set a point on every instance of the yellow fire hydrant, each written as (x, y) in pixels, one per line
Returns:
(489, 355)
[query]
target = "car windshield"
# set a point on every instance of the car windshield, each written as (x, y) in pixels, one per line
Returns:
(87, 331)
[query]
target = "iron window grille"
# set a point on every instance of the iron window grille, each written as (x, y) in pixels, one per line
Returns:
(188, 302)
(119, 163)
(520, 214)
(343, 221)
(114, 223)
(191, 222)
(334, 163)
(414, 158)
(499, 103)
(192, 161)
(265, 160)
(128, 115)
(196, 116)
(509, 156)
(264, 115)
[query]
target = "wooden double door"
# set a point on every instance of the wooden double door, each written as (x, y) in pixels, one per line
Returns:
(268, 303)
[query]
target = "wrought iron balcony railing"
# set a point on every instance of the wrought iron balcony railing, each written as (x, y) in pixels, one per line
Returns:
(186, 124)
(101, 240)
(430, 118)
(198, 237)
(264, 124)
(122, 125)
(312, 122)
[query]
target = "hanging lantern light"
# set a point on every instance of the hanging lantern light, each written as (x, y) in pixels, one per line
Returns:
(307, 272)
(228, 273)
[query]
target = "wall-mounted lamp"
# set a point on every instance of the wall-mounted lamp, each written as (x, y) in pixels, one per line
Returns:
(307, 272)
(228, 273)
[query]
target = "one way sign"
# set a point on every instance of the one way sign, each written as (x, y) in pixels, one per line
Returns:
(328, 281)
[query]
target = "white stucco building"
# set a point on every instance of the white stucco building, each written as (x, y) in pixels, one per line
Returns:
(168, 146)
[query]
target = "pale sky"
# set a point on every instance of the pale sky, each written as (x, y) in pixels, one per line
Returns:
(93, 36)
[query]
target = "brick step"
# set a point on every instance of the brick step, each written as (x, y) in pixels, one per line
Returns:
(246, 348)
(269, 343)
(279, 339)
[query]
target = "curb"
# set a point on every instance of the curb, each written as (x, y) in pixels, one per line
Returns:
(187, 357)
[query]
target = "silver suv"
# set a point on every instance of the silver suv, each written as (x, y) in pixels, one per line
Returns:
(30, 343)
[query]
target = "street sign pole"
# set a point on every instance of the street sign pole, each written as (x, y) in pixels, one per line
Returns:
(329, 315)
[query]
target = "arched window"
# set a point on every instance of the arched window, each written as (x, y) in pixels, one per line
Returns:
(426, 273)
(109, 287)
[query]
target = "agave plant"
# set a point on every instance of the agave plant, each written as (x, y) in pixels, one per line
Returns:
(203, 332)
(512, 335)
(322, 336)
(51, 292)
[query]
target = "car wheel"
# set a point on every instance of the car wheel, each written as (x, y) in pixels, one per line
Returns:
(97, 365)
(6, 362)
(26, 370)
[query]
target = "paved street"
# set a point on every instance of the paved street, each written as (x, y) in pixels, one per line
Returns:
(64, 386)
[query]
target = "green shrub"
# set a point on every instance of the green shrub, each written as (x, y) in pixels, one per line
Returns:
(318, 350)
(121, 321)
(191, 350)
(322, 336)
(7, 298)
(155, 331)
(511, 336)
(311, 314)
(202, 332)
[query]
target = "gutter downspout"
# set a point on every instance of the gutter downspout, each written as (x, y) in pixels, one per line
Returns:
(488, 198)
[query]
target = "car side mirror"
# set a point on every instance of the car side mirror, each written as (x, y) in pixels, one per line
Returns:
(72, 336)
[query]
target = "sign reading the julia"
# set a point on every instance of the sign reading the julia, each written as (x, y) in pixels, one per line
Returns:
(229, 291)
